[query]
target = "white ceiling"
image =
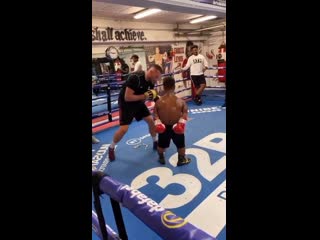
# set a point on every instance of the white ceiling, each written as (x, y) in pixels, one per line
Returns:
(124, 12)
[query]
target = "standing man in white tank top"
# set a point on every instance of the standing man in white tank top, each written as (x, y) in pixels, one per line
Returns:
(198, 65)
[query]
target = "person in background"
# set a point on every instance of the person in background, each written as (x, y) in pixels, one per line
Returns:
(136, 62)
(198, 65)
(158, 57)
(95, 82)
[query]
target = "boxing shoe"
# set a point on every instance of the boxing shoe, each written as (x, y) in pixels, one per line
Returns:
(183, 160)
(198, 101)
(162, 159)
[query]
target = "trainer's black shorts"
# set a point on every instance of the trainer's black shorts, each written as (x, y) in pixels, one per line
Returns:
(165, 138)
(129, 111)
(198, 79)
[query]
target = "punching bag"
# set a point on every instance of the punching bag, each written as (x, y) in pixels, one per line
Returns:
(221, 57)
(222, 63)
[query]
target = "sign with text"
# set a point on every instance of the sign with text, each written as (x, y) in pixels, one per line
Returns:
(113, 34)
(110, 34)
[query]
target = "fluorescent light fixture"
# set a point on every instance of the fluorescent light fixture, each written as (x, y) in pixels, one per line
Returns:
(146, 13)
(194, 16)
(208, 28)
(202, 19)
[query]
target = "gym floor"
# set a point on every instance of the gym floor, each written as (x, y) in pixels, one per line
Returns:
(196, 192)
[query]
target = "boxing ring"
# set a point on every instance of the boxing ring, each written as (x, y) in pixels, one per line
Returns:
(105, 110)
(165, 223)
(192, 197)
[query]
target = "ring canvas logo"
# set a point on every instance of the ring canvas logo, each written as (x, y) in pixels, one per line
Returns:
(154, 207)
(204, 110)
(170, 220)
(99, 155)
(136, 141)
(223, 195)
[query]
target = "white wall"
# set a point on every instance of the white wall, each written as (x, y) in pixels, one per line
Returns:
(155, 32)
(212, 44)
(159, 34)
(102, 22)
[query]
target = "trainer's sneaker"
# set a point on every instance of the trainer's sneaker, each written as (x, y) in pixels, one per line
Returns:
(162, 160)
(195, 100)
(155, 145)
(183, 160)
(95, 140)
(112, 156)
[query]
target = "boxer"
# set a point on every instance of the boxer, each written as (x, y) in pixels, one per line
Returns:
(170, 114)
(138, 88)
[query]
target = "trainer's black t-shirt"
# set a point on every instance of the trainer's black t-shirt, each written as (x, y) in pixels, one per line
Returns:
(138, 83)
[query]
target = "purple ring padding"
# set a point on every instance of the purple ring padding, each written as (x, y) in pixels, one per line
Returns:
(163, 222)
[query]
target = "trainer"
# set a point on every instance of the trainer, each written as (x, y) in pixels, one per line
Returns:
(138, 88)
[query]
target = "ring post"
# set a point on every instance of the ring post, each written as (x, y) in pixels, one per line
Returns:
(97, 204)
(109, 103)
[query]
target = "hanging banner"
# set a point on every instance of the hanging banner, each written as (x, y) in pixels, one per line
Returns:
(106, 35)
(111, 34)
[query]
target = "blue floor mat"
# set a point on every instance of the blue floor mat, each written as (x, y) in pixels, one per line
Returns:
(207, 168)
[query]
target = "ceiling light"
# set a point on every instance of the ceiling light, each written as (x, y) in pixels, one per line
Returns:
(194, 16)
(146, 13)
(202, 19)
(208, 28)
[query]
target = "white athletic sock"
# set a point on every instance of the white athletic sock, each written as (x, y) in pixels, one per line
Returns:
(112, 145)
(154, 138)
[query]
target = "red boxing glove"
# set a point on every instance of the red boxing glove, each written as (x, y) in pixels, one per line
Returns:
(179, 127)
(160, 127)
